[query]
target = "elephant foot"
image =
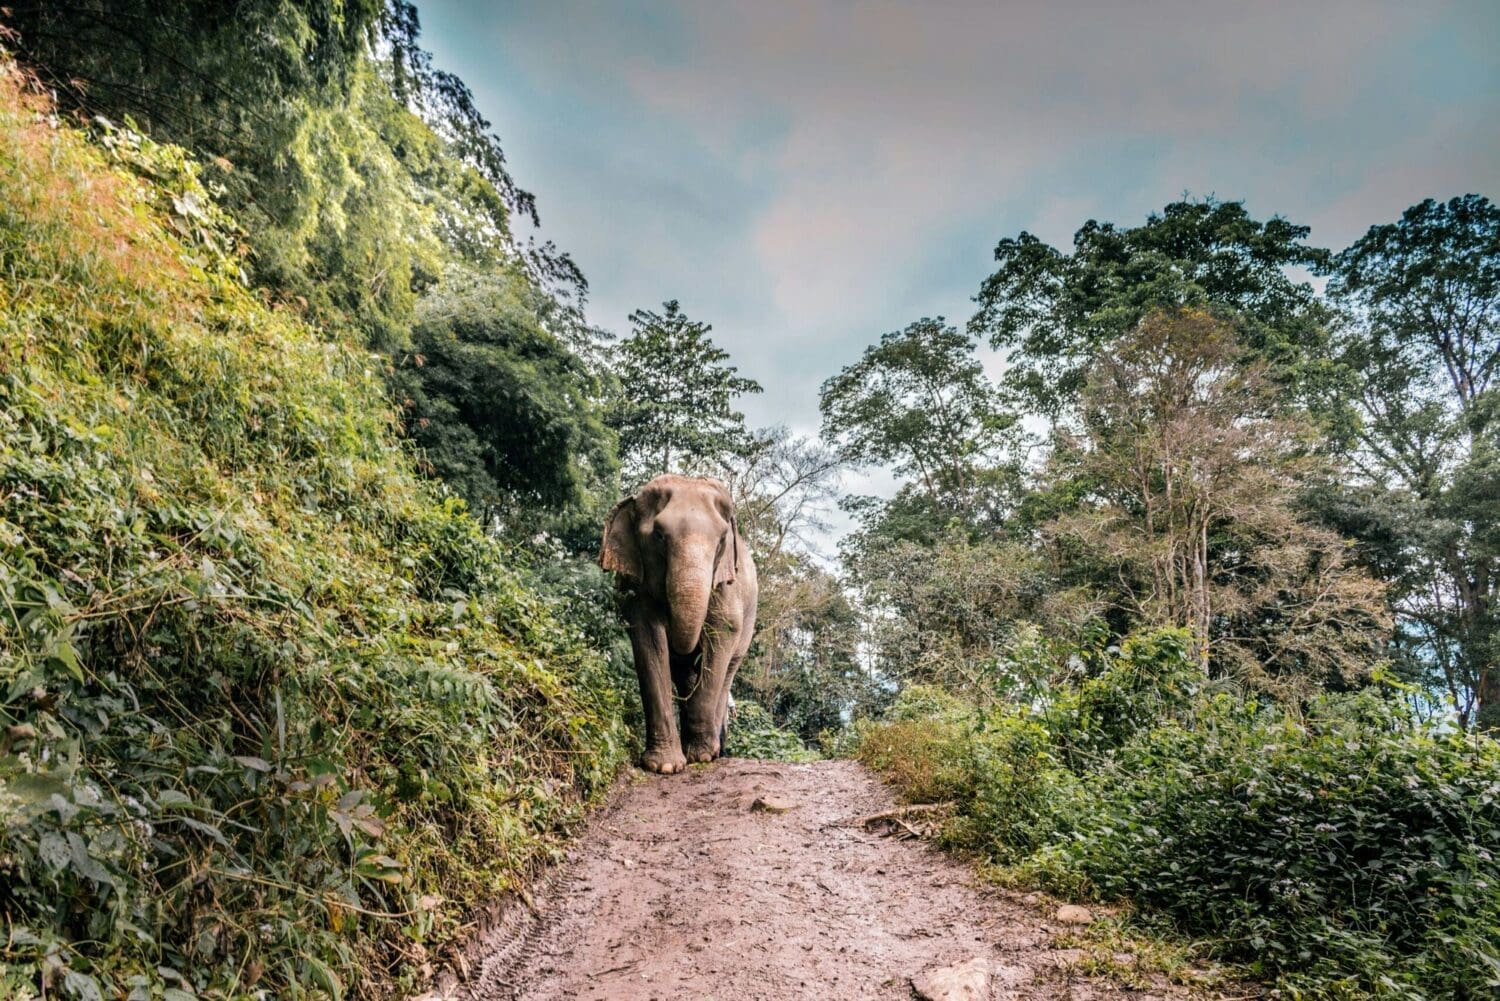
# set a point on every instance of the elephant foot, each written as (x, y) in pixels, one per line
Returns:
(666, 761)
(701, 751)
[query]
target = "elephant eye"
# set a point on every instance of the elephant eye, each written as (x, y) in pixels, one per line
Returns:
(658, 534)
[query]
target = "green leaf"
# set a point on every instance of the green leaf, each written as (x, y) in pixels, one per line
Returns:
(64, 654)
(82, 986)
(325, 978)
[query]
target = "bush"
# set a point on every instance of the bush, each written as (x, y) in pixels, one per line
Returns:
(1352, 853)
(273, 718)
(1150, 677)
(1346, 853)
(928, 761)
(754, 734)
(1023, 796)
(929, 702)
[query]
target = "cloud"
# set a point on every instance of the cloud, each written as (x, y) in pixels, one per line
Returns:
(807, 176)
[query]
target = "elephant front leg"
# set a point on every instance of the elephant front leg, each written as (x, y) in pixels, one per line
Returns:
(653, 670)
(703, 711)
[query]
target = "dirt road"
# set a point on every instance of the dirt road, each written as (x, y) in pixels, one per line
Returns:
(682, 890)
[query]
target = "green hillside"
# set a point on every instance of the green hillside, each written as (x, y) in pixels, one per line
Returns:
(277, 714)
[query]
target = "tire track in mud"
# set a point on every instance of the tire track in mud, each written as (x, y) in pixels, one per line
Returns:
(681, 890)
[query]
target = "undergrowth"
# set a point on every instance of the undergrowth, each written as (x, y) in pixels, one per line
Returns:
(754, 734)
(1342, 850)
(273, 717)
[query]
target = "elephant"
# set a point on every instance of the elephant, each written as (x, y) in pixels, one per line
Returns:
(688, 589)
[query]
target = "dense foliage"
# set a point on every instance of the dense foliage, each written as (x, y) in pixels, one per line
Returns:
(1423, 350)
(1343, 851)
(919, 402)
(756, 735)
(1057, 311)
(1182, 486)
(1306, 481)
(276, 716)
(503, 410)
(1151, 662)
(372, 196)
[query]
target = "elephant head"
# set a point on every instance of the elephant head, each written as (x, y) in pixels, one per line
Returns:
(676, 541)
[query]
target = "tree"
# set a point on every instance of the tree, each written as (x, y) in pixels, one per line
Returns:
(363, 178)
(783, 489)
(1186, 476)
(804, 666)
(503, 411)
(1055, 312)
(947, 611)
(315, 139)
(673, 412)
(920, 401)
(1423, 349)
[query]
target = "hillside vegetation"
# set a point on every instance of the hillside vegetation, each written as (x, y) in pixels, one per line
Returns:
(278, 717)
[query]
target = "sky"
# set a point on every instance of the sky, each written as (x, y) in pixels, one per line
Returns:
(808, 175)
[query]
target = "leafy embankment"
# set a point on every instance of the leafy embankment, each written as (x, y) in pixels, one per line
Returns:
(1347, 852)
(275, 716)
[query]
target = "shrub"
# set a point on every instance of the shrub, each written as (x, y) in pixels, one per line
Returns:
(929, 702)
(1152, 676)
(1023, 796)
(1351, 852)
(754, 734)
(928, 761)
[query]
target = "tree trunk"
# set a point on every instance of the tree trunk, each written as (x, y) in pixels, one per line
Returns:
(1487, 712)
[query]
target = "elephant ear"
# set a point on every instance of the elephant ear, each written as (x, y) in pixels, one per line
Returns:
(729, 563)
(620, 552)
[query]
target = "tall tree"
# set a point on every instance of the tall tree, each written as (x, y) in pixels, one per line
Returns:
(919, 400)
(1424, 350)
(1054, 312)
(1186, 477)
(803, 666)
(674, 411)
(783, 491)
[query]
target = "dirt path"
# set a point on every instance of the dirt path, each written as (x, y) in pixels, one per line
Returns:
(681, 890)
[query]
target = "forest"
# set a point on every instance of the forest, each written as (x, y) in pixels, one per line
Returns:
(307, 436)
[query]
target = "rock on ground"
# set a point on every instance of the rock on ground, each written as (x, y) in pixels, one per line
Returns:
(963, 982)
(1072, 914)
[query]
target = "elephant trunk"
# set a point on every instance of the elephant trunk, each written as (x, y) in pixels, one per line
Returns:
(690, 577)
